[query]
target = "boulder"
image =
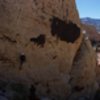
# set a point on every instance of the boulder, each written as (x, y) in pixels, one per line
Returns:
(39, 41)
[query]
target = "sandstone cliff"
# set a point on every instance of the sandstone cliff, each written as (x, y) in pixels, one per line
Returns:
(41, 44)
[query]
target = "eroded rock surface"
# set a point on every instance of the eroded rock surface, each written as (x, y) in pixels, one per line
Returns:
(39, 40)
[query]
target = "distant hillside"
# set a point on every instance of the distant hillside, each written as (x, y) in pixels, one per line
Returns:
(92, 32)
(91, 21)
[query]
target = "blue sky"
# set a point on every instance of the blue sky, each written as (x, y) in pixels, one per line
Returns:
(88, 8)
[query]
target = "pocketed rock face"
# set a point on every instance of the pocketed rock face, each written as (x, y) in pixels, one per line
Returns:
(39, 40)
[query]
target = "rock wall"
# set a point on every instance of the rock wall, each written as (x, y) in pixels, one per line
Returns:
(39, 41)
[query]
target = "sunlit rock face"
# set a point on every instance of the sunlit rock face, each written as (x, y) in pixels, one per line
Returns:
(39, 42)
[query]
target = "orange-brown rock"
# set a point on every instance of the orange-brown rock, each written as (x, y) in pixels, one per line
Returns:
(39, 41)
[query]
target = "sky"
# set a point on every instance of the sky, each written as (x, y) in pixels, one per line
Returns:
(88, 8)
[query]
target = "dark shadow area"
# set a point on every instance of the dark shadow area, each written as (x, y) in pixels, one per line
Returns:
(93, 42)
(63, 31)
(78, 88)
(40, 40)
(97, 95)
(48, 89)
(32, 93)
(22, 59)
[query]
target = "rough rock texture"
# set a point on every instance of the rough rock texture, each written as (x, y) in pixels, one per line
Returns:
(83, 73)
(39, 42)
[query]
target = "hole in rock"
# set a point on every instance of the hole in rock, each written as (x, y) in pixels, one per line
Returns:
(40, 40)
(22, 58)
(78, 88)
(68, 32)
